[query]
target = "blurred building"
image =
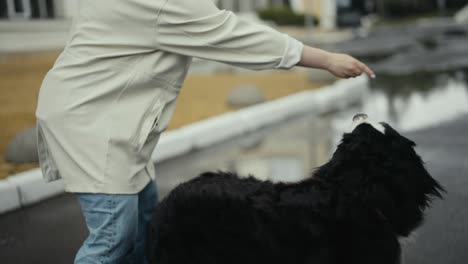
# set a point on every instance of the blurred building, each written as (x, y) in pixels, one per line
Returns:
(36, 9)
(325, 10)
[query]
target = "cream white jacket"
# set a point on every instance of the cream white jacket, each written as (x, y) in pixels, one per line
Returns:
(112, 91)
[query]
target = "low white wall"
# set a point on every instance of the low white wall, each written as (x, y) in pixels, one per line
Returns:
(462, 15)
(31, 36)
(28, 187)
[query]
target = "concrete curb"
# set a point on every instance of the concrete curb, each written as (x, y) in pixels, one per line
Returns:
(31, 188)
(28, 187)
(9, 197)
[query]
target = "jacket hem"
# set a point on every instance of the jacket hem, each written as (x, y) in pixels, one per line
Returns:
(107, 188)
(113, 188)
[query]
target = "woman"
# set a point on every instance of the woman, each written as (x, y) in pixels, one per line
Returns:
(112, 91)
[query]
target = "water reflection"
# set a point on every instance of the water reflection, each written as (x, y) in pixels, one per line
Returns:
(404, 86)
(416, 101)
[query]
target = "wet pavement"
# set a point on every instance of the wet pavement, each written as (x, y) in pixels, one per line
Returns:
(444, 236)
(49, 232)
(432, 110)
(431, 46)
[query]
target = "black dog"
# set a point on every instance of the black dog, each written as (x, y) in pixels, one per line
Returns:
(351, 210)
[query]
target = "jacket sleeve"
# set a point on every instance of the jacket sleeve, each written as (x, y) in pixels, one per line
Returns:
(197, 28)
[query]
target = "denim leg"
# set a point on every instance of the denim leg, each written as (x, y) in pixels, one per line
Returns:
(147, 202)
(112, 222)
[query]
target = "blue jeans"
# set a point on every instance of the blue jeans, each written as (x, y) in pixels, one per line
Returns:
(117, 226)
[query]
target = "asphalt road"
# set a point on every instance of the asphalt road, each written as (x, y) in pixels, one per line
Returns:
(52, 231)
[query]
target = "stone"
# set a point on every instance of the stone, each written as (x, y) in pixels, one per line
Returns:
(23, 149)
(245, 95)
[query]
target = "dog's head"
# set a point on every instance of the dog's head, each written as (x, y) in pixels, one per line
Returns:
(378, 170)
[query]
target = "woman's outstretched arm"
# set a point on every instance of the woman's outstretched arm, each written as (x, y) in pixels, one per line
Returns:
(199, 29)
(341, 65)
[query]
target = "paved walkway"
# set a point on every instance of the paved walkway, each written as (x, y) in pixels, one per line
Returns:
(51, 232)
(444, 237)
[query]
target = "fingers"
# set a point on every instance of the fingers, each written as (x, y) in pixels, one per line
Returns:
(353, 71)
(345, 66)
(367, 70)
(358, 69)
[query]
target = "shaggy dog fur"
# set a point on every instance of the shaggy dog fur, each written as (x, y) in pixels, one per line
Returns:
(351, 210)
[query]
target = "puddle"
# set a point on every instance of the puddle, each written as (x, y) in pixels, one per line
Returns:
(413, 102)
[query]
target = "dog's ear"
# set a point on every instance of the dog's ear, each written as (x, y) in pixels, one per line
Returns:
(429, 188)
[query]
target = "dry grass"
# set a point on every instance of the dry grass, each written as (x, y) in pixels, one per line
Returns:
(21, 76)
(203, 96)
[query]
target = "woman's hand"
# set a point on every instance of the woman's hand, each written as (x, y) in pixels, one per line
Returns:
(345, 66)
(340, 65)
